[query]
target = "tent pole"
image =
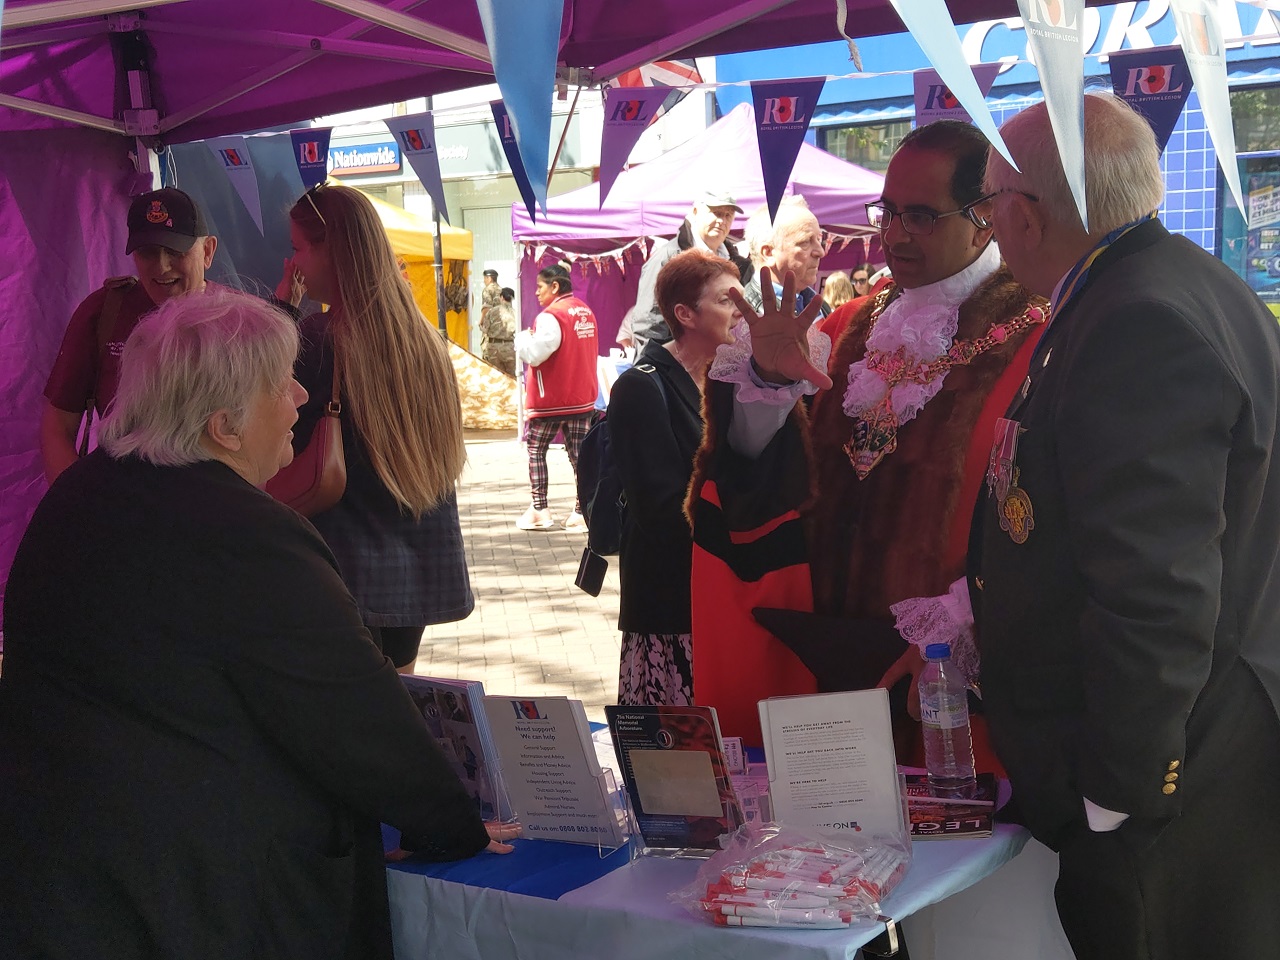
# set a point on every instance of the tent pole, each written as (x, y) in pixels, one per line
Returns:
(437, 253)
(563, 133)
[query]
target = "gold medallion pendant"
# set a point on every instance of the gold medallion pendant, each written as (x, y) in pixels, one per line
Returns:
(1017, 517)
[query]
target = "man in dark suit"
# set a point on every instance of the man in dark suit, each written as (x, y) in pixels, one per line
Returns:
(1126, 560)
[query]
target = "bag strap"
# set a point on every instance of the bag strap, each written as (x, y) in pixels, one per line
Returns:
(108, 318)
(334, 409)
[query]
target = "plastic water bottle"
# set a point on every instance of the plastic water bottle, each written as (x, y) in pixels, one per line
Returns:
(944, 711)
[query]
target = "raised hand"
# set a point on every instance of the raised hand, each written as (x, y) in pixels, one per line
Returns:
(779, 335)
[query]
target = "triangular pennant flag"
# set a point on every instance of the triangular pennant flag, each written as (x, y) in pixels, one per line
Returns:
(935, 101)
(507, 137)
(783, 111)
(233, 152)
(524, 42)
(1055, 37)
(627, 113)
(1155, 82)
(1201, 37)
(311, 153)
(934, 31)
(416, 135)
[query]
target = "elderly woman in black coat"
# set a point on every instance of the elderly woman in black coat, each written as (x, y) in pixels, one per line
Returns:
(197, 737)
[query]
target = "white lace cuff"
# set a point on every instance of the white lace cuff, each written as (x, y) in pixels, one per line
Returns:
(733, 365)
(944, 619)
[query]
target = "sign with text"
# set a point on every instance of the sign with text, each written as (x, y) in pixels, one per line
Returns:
(416, 136)
(1201, 36)
(783, 111)
(935, 100)
(233, 153)
(311, 154)
(1055, 37)
(1154, 82)
(507, 137)
(376, 156)
(628, 111)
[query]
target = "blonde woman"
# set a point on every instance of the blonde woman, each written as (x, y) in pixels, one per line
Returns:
(395, 532)
(837, 289)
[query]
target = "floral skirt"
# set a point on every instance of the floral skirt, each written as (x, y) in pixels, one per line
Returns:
(656, 668)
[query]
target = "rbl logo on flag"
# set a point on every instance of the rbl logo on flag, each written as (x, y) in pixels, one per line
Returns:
(507, 132)
(309, 151)
(782, 109)
(413, 140)
(629, 111)
(1152, 79)
(940, 98)
(1050, 12)
(233, 158)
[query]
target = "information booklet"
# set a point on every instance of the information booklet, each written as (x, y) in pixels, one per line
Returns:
(831, 762)
(673, 765)
(948, 816)
(454, 712)
(555, 782)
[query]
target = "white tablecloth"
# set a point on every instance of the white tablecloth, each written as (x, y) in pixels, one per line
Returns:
(965, 903)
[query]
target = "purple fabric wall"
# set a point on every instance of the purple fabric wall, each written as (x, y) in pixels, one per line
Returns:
(609, 294)
(64, 194)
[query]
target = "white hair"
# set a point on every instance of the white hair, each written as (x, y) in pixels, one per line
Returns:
(1121, 164)
(761, 231)
(191, 357)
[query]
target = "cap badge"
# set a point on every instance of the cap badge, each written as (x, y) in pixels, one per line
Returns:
(158, 214)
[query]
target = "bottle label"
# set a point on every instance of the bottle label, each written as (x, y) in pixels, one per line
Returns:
(931, 715)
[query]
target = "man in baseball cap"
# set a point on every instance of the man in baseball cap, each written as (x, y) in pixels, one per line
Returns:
(171, 250)
(707, 228)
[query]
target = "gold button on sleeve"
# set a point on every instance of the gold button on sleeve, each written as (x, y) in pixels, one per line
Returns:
(1168, 788)
(1174, 764)
(1170, 777)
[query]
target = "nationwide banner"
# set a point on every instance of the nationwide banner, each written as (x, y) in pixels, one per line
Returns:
(783, 111)
(931, 25)
(1201, 37)
(628, 111)
(233, 152)
(935, 101)
(507, 136)
(416, 135)
(524, 41)
(311, 153)
(1055, 38)
(1156, 83)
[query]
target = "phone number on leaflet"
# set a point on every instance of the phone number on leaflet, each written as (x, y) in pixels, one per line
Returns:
(564, 828)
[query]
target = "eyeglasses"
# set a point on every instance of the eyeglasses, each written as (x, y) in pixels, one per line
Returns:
(859, 279)
(311, 200)
(921, 222)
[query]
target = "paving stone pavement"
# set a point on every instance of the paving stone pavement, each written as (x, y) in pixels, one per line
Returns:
(532, 633)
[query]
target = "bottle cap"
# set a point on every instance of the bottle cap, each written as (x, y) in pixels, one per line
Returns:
(937, 651)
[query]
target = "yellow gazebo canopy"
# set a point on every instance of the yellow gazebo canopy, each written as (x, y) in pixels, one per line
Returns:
(412, 239)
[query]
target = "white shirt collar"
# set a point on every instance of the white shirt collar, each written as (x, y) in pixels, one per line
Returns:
(958, 287)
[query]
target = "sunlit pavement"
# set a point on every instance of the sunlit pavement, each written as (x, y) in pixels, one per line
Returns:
(533, 633)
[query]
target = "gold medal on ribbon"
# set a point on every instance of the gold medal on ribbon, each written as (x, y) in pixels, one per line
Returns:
(1017, 517)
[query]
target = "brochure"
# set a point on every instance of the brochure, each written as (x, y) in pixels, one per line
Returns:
(831, 762)
(949, 817)
(677, 779)
(453, 711)
(555, 782)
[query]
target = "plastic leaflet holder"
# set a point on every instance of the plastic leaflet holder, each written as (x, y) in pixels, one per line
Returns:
(551, 771)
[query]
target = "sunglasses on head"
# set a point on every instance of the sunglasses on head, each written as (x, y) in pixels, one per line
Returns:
(311, 200)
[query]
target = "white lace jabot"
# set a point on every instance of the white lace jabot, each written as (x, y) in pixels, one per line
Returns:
(922, 322)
